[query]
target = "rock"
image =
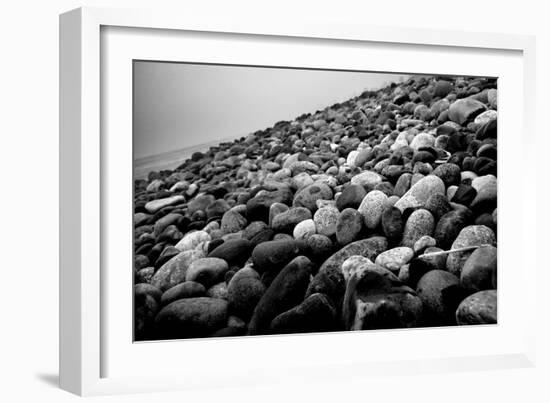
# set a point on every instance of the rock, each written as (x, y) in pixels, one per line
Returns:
(218, 290)
(146, 306)
(191, 317)
(367, 179)
(308, 196)
(168, 253)
(315, 314)
(487, 151)
(188, 289)
(404, 274)
(439, 107)
(207, 271)
(486, 197)
(232, 222)
(325, 203)
(301, 180)
(480, 269)
(438, 290)
(200, 203)
(472, 235)
(392, 223)
(449, 226)
(438, 205)
(375, 301)
(174, 271)
(217, 209)
(487, 130)
(319, 247)
(228, 331)
(420, 192)
(253, 229)
(485, 117)
(362, 157)
(371, 208)
(464, 195)
(351, 158)
(192, 240)
(357, 265)
(304, 229)
(492, 98)
(443, 88)
(422, 140)
(155, 185)
(155, 205)
(449, 173)
(303, 166)
(393, 259)
(235, 321)
(145, 275)
(487, 220)
(478, 309)
(390, 202)
(424, 242)
(286, 291)
(326, 220)
(329, 280)
(351, 197)
(141, 289)
(464, 110)
(274, 255)
(483, 166)
(140, 262)
(435, 262)
(349, 226)
(420, 223)
(403, 184)
(286, 221)
(451, 190)
(164, 222)
(257, 208)
(243, 292)
(276, 209)
(141, 219)
(234, 252)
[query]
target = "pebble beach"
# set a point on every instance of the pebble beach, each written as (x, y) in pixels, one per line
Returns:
(375, 213)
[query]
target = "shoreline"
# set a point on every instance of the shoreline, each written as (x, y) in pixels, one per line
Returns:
(170, 160)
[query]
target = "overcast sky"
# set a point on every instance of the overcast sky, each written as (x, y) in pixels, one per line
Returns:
(180, 105)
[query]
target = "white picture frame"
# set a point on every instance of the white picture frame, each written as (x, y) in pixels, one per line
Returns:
(87, 190)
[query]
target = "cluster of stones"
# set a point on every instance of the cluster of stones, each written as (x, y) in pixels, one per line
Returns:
(355, 217)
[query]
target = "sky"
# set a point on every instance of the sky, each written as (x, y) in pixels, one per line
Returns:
(178, 105)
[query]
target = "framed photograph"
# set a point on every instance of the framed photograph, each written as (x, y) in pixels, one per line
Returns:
(245, 201)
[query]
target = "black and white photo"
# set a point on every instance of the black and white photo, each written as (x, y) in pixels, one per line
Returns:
(271, 200)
